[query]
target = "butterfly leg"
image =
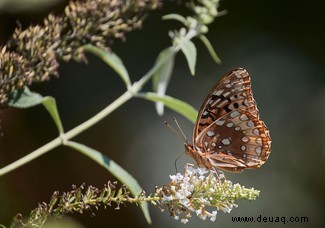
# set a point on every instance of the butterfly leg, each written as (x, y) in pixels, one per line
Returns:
(220, 174)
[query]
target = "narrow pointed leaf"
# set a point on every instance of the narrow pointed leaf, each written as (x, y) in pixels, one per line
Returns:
(24, 98)
(211, 50)
(112, 60)
(161, 77)
(121, 174)
(176, 17)
(177, 105)
(189, 50)
(50, 105)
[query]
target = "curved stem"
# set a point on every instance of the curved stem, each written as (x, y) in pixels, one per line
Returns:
(70, 134)
(99, 116)
(29, 157)
(131, 92)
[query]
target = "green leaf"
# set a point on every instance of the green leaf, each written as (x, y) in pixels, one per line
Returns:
(112, 60)
(50, 105)
(161, 77)
(189, 50)
(176, 17)
(24, 98)
(208, 45)
(177, 105)
(121, 174)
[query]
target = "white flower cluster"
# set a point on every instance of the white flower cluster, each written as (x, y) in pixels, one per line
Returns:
(184, 189)
(199, 188)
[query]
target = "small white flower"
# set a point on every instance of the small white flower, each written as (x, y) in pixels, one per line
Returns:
(203, 200)
(201, 178)
(190, 170)
(172, 177)
(203, 171)
(167, 198)
(179, 176)
(214, 216)
(227, 209)
(176, 217)
(179, 195)
(191, 209)
(184, 202)
(191, 187)
(185, 185)
(238, 186)
(198, 212)
(186, 179)
(186, 192)
(184, 220)
(212, 190)
(203, 216)
(196, 182)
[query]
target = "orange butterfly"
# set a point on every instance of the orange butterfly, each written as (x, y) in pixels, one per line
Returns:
(228, 133)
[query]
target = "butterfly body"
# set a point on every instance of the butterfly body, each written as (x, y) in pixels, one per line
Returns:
(228, 133)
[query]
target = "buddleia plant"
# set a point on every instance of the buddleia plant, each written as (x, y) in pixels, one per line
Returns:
(33, 55)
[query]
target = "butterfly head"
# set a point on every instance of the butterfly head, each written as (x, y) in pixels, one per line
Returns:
(199, 157)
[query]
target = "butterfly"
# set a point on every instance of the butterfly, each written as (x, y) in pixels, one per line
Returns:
(228, 133)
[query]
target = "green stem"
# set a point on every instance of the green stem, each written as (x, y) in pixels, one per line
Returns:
(70, 134)
(133, 90)
(29, 157)
(63, 138)
(99, 116)
(119, 199)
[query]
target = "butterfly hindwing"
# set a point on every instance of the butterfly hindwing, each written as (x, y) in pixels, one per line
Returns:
(239, 137)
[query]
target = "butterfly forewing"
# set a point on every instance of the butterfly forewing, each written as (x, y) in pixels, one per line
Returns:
(228, 133)
(231, 92)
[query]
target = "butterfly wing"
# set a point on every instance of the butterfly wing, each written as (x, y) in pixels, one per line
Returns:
(228, 132)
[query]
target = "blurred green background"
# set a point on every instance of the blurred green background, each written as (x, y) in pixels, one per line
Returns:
(280, 43)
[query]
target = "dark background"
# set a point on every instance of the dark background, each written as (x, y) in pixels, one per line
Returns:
(280, 43)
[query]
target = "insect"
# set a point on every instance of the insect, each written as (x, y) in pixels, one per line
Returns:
(228, 133)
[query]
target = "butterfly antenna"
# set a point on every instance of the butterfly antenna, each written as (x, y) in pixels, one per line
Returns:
(182, 136)
(176, 132)
(180, 129)
(177, 160)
